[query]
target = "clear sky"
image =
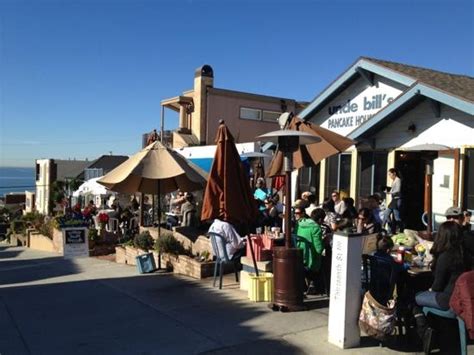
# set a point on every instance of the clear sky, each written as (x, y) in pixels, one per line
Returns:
(79, 79)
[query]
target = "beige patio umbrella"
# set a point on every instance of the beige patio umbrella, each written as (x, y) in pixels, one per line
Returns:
(155, 169)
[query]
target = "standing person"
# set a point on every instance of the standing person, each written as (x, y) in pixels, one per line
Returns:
(396, 203)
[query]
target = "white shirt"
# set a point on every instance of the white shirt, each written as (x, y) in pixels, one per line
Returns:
(396, 186)
(233, 240)
(340, 207)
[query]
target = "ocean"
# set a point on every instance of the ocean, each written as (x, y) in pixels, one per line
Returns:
(16, 180)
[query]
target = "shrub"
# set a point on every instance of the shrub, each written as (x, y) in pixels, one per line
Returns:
(93, 234)
(46, 228)
(18, 226)
(169, 244)
(143, 241)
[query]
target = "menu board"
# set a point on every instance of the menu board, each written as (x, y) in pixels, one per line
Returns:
(76, 243)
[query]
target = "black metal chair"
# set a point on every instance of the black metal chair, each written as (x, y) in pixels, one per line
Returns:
(379, 277)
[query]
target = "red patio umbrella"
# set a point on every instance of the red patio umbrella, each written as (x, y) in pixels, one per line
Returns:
(227, 195)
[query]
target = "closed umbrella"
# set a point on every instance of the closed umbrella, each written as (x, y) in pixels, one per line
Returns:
(227, 195)
(311, 154)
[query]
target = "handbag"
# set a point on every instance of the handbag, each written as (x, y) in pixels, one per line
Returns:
(376, 320)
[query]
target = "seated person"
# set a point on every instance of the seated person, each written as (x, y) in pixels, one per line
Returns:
(261, 193)
(235, 244)
(318, 215)
(188, 211)
(272, 217)
(447, 265)
(312, 244)
(175, 209)
(384, 247)
(350, 211)
(366, 223)
(383, 278)
(312, 204)
(330, 219)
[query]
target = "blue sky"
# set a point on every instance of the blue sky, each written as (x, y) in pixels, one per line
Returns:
(79, 79)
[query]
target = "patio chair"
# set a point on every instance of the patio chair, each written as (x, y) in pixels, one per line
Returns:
(189, 219)
(379, 277)
(113, 225)
(219, 249)
(449, 314)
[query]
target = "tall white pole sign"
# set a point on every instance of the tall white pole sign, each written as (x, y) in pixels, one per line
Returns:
(345, 295)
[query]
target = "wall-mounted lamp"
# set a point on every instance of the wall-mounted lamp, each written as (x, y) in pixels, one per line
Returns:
(411, 128)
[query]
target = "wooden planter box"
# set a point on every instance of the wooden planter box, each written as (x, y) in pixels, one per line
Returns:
(127, 254)
(185, 265)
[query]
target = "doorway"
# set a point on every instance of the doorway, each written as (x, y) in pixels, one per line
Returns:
(411, 166)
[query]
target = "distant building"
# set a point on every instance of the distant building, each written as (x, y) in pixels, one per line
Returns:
(50, 170)
(246, 115)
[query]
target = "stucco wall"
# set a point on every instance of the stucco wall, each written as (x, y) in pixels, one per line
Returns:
(40, 242)
(228, 108)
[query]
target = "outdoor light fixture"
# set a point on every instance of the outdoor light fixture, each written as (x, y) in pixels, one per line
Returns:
(287, 261)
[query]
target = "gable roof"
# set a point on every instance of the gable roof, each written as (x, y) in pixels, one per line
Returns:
(68, 169)
(461, 86)
(108, 162)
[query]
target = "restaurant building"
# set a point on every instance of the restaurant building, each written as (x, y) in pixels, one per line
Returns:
(418, 120)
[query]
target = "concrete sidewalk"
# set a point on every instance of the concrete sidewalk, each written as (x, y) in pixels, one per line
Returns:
(50, 305)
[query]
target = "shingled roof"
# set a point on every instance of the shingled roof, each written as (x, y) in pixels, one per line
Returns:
(455, 84)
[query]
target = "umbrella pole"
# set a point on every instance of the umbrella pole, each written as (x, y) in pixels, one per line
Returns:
(288, 164)
(159, 226)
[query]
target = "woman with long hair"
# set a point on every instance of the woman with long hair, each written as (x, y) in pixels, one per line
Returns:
(447, 265)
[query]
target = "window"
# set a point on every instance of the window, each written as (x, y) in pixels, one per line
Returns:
(309, 179)
(338, 174)
(250, 114)
(271, 116)
(38, 170)
(372, 173)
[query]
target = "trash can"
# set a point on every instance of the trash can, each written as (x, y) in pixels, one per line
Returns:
(145, 263)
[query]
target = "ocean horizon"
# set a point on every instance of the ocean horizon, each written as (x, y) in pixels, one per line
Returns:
(16, 179)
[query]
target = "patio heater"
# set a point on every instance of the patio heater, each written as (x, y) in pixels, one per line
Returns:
(288, 261)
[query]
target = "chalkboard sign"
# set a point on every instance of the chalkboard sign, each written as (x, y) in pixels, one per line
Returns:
(75, 236)
(75, 242)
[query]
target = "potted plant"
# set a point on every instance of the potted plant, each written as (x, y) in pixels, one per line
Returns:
(103, 219)
(93, 237)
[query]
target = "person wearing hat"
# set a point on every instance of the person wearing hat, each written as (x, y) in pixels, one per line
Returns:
(454, 214)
